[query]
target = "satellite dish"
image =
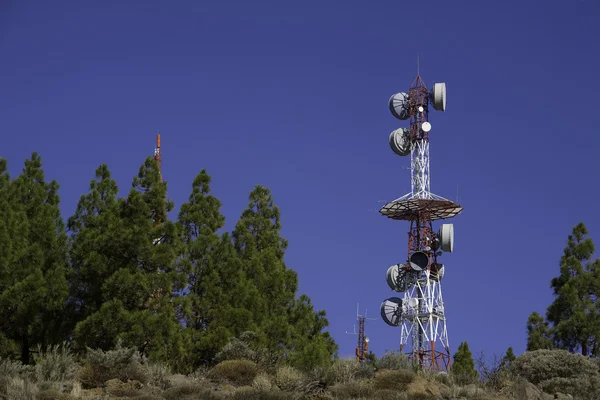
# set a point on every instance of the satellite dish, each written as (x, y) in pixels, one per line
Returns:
(400, 142)
(399, 279)
(438, 96)
(421, 109)
(419, 261)
(437, 271)
(391, 311)
(399, 105)
(426, 126)
(367, 339)
(446, 235)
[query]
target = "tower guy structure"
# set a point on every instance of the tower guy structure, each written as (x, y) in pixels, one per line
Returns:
(420, 312)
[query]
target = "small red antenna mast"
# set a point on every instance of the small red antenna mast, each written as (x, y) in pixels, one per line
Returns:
(158, 155)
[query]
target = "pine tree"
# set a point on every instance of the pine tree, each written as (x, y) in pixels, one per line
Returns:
(33, 258)
(288, 326)
(537, 333)
(574, 312)
(463, 367)
(139, 296)
(509, 357)
(95, 229)
(217, 306)
(261, 249)
(309, 345)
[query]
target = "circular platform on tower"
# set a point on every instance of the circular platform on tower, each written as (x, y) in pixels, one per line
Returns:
(409, 209)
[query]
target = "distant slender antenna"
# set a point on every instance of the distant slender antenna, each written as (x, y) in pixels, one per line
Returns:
(418, 67)
(158, 155)
(363, 341)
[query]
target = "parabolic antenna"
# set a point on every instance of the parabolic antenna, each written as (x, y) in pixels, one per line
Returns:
(399, 279)
(391, 311)
(446, 235)
(399, 105)
(437, 271)
(367, 339)
(419, 261)
(400, 142)
(426, 126)
(438, 96)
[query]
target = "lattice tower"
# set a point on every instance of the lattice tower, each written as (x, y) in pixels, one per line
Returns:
(420, 313)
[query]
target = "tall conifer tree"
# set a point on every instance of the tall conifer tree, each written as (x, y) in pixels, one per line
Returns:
(138, 298)
(574, 312)
(33, 258)
(286, 323)
(219, 300)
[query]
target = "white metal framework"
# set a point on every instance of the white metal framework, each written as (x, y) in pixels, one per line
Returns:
(424, 322)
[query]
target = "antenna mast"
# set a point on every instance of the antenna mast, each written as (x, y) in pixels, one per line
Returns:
(420, 313)
(158, 155)
(363, 341)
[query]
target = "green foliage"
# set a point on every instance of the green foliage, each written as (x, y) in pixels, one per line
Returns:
(181, 293)
(559, 371)
(509, 356)
(287, 325)
(33, 284)
(137, 250)
(463, 366)
(538, 336)
(573, 313)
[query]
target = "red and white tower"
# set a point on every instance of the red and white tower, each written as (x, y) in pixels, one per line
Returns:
(420, 312)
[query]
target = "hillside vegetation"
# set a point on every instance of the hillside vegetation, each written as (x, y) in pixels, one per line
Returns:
(117, 301)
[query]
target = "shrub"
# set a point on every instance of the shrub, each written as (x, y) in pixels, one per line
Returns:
(251, 393)
(352, 390)
(9, 368)
(158, 375)
(56, 364)
(389, 394)
(262, 381)
(559, 371)
(17, 388)
(123, 363)
(192, 392)
(394, 380)
(53, 395)
(343, 370)
(236, 349)
(315, 382)
(288, 378)
(238, 372)
(394, 361)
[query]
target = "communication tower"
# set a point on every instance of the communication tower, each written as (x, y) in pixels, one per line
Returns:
(420, 312)
(363, 341)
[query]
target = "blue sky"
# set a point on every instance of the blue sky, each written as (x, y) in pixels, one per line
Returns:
(293, 96)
